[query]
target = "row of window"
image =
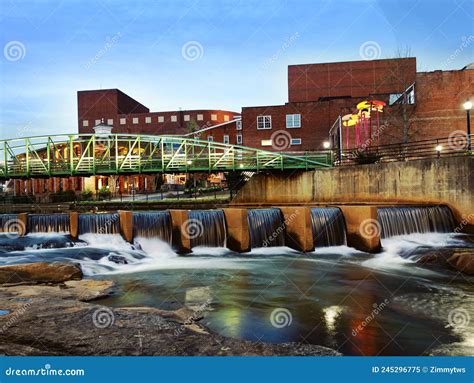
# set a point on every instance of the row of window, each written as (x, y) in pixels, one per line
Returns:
(292, 121)
(294, 141)
(226, 140)
(148, 120)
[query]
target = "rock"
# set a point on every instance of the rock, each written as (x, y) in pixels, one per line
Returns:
(40, 272)
(68, 326)
(463, 261)
(118, 259)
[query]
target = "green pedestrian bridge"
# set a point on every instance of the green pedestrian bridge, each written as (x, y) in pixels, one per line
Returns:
(85, 155)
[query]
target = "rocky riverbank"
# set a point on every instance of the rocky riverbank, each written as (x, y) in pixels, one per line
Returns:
(48, 310)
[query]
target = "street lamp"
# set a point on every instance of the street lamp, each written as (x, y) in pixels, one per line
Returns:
(468, 106)
(326, 144)
(438, 149)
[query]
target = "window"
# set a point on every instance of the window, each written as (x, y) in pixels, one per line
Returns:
(110, 121)
(97, 122)
(147, 120)
(238, 125)
(123, 121)
(174, 118)
(226, 138)
(264, 122)
(85, 123)
(293, 121)
(226, 118)
(210, 138)
(135, 120)
(266, 143)
(200, 117)
(161, 119)
(239, 139)
(296, 141)
(187, 117)
(213, 117)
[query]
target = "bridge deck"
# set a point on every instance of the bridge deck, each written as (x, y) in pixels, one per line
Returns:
(86, 154)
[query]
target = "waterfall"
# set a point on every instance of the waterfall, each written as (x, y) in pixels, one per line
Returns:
(206, 228)
(266, 228)
(7, 222)
(329, 228)
(152, 224)
(46, 223)
(99, 223)
(415, 219)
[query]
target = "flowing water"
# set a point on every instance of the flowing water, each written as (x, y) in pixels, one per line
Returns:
(46, 223)
(407, 220)
(329, 227)
(207, 228)
(99, 223)
(266, 228)
(357, 303)
(153, 224)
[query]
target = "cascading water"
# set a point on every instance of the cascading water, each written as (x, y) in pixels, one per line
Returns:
(153, 224)
(48, 223)
(329, 228)
(6, 222)
(415, 219)
(99, 223)
(266, 228)
(207, 228)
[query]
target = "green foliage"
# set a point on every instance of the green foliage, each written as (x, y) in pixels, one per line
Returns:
(87, 195)
(104, 193)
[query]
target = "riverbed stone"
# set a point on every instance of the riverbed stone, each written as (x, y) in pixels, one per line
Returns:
(40, 272)
(55, 320)
(463, 261)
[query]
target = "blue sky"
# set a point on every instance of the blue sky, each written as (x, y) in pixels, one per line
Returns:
(202, 54)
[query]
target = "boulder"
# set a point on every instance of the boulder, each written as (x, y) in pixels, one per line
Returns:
(40, 272)
(463, 261)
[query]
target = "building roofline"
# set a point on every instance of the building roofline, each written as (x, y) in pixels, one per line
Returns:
(354, 61)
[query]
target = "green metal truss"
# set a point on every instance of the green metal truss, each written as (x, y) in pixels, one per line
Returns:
(85, 155)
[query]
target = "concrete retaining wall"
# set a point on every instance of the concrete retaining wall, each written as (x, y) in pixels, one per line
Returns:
(447, 181)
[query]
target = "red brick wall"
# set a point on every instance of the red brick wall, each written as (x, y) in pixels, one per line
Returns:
(316, 120)
(439, 103)
(311, 82)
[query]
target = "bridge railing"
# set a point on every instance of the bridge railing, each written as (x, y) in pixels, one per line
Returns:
(85, 154)
(459, 144)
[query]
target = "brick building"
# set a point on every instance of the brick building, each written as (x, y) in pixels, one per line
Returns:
(319, 93)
